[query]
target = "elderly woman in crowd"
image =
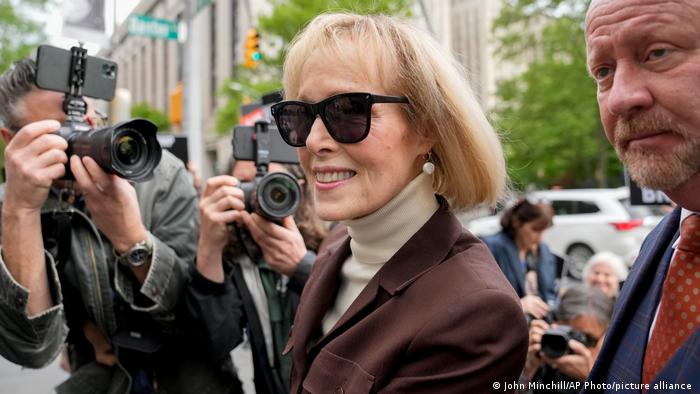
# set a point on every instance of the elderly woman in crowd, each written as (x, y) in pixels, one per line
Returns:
(605, 270)
(401, 298)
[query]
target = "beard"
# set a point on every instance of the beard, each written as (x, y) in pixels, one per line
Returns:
(655, 168)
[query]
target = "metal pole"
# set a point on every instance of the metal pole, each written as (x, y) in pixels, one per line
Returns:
(192, 121)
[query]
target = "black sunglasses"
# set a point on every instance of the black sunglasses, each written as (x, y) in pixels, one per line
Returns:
(346, 117)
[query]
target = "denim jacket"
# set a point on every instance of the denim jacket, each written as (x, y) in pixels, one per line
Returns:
(168, 205)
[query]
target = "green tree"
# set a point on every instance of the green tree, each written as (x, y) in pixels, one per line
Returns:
(549, 111)
(159, 118)
(20, 33)
(285, 20)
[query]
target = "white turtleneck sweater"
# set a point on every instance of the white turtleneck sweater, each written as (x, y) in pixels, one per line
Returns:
(376, 237)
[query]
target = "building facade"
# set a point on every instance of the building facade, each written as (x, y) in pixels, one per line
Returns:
(151, 69)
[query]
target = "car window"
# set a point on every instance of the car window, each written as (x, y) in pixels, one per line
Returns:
(563, 207)
(573, 207)
(586, 207)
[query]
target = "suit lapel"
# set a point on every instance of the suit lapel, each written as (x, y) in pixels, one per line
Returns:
(637, 301)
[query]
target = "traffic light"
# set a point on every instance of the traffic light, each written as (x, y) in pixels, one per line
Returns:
(175, 106)
(252, 49)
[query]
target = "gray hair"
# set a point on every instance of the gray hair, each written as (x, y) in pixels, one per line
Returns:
(616, 263)
(15, 83)
(582, 300)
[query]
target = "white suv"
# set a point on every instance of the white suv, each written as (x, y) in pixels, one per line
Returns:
(587, 221)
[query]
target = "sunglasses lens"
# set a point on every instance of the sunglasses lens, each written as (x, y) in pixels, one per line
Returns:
(294, 122)
(347, 116)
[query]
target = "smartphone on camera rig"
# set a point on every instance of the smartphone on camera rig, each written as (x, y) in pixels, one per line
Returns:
(276, 195)
(128, 149)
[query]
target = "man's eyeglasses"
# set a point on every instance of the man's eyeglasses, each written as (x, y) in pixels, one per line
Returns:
(347, 117)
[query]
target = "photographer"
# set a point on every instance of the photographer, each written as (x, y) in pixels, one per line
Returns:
(100, 256)
(582, 318)
(254, 284)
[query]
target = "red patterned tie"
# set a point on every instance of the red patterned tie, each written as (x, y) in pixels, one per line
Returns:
(679, 310)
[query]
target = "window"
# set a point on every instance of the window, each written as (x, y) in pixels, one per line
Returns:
(574, 207)
(587, 207)
(563, 207)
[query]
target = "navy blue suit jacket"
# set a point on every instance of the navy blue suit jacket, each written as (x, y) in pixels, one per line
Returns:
(622, 357)
(507, 256)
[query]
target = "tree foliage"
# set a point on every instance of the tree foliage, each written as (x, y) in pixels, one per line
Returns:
(145, 111)
(549, 111)
(276, 30)
(19, 35)
(288, 17)
(19, 32)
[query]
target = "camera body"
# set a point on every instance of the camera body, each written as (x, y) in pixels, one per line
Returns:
(276, 195)
(129, 149)
(555, 340)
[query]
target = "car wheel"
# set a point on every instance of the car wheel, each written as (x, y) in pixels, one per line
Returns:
(577, 256)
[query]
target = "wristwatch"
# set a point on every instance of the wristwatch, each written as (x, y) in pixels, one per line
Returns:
(138, 254)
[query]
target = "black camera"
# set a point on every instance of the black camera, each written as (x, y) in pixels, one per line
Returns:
(276, 195)
(555, 340)
(129, 149)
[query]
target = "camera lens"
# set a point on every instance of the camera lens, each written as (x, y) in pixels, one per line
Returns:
(128, 150)
(278, 195)
(135, 151)
(555, 341)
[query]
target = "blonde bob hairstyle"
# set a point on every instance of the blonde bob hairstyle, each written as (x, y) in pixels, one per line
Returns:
(469, 164)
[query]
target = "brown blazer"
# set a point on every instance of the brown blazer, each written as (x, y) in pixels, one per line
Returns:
(438, 317)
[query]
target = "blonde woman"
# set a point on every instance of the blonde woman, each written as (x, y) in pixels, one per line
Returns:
(401, 298)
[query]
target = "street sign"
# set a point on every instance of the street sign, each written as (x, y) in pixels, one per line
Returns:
(144, 25)
(202, 3)
(643, 196)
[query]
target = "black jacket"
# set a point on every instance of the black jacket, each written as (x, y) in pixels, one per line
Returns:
(220, 312)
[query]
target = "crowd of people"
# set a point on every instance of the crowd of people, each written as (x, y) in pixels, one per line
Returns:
(373, 285)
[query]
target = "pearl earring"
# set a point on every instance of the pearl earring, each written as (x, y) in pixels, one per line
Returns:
(428, 166)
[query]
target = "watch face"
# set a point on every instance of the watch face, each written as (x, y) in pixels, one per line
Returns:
(138, 256)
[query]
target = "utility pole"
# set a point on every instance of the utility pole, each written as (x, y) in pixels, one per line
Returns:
(192, 120)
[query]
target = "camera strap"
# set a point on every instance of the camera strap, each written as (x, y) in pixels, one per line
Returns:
(63, 216)
(251, 249)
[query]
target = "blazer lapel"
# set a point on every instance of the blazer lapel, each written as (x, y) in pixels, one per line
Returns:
(516, 266)
(424, 250)
(323, 290)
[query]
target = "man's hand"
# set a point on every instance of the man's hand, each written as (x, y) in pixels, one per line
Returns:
(282, 246)
(220, 204)
(534, 360)
(112, 203)
(103, 348)
(576, 365)
(34, 158)
(534, 306)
